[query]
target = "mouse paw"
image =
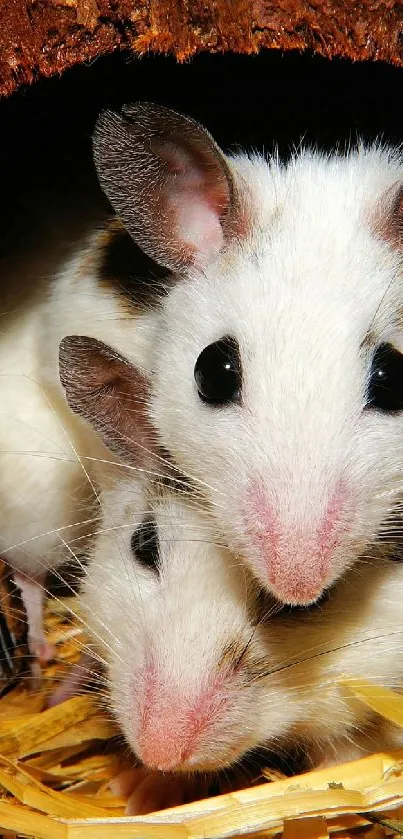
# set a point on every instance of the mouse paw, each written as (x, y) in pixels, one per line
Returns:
(42, 650)
(32, 597)
(35, 682)
(149, 791)
(75, 682)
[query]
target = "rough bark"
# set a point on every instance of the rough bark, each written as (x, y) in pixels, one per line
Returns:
(43, 37)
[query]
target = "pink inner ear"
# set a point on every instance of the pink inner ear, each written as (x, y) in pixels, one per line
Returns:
(197, 195)
(198, 226)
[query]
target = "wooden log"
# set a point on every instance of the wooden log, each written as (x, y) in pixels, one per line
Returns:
(42, 37)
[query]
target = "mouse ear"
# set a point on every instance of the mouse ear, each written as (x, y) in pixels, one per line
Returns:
(168, 182)
(389, 219)
(104, 388)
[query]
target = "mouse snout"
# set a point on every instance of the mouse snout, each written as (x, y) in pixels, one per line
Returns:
(173, 722)
(294, 556)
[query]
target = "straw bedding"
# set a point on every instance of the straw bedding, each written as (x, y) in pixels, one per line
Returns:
(55, 766)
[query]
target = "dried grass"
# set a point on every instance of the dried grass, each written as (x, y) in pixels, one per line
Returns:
(55, 766)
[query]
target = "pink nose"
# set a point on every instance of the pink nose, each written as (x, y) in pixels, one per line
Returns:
(166, 730)
(162, 748)
(295, 561)
(172, 723)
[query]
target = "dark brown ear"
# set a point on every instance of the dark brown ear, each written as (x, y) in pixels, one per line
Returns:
(388, 218)
(167, 180)
(105, 389)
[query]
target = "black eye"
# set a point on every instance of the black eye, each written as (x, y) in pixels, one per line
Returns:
(385, 390)
(144, 544)
(218, 372)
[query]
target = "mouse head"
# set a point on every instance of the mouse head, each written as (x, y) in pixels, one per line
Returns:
(174, 618)
(276, 382)
(200, 671)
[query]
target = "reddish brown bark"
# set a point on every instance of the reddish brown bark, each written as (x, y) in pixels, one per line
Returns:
(42, 37)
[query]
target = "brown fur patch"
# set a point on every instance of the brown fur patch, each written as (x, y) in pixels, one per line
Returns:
(370, 341)
(231, 655)
(128, 271)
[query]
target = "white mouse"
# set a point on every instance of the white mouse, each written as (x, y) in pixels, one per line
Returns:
(273, 343)
(202, 672)
(261, 323)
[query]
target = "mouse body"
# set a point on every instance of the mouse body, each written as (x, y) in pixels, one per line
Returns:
(50, 459)
(44, 499)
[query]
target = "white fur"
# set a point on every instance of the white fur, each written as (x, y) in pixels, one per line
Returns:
(299, 293)
(46, 451)
(186, 618)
